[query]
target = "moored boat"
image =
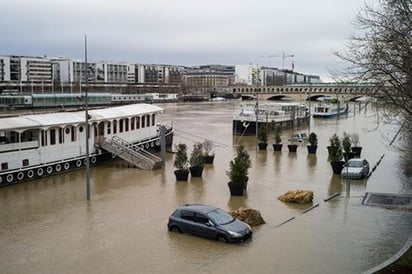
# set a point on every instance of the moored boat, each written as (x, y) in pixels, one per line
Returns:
(286, 115)
(329, 109)
(38, 145)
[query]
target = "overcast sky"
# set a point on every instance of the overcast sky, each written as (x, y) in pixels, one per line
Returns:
(182, 32)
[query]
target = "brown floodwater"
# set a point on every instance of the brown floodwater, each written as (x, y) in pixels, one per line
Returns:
(47, 225)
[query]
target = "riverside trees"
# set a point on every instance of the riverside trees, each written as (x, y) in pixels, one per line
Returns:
(381, 53)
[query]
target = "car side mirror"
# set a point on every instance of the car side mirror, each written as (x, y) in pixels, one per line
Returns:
(209, 223)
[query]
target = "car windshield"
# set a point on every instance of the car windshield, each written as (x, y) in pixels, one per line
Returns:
(355, 164)
(220, 217)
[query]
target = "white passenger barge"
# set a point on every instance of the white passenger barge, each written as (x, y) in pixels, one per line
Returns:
(38, 145)
(286, 115)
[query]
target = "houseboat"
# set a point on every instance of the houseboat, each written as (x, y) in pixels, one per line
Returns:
(286, 115)
(329, 109)
(38, 145)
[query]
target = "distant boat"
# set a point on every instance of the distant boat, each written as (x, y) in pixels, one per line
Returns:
(330, 108)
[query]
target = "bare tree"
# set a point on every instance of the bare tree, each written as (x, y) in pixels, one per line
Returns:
(381, 52)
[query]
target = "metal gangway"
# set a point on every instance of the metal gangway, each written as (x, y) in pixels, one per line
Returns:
(131, 153)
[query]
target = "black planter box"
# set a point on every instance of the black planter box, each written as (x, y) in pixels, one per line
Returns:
(292, 148)
(196, 171)
(182, 175)
(337, 166)
(312, 149)
(277, 147)
(209, 159)
(262, 146)
(236, 189)
(357, 151)
(348, 155)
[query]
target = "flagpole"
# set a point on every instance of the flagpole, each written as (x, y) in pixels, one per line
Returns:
(87, 124)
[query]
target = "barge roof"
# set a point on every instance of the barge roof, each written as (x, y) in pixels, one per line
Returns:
(75, 117)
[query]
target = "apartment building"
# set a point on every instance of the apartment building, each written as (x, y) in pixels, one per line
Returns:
(157, 74)
(4, 69)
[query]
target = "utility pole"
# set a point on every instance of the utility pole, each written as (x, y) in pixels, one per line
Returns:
(87, 123)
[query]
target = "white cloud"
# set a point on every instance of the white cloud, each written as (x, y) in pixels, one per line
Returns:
(180, 31)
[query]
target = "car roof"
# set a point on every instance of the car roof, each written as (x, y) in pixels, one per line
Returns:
(198, 208)
(356, 160)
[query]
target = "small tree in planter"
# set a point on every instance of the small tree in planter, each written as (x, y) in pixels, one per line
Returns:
(197, 160)
(347, 145)
(263, 137)
(208, 155)
(181, 162)
(356, 148)
(238, 172)
(313, 143)
(292, 146)
(335, 154)
(277, 146)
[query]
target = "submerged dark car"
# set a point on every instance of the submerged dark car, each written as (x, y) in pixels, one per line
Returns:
(210, 222)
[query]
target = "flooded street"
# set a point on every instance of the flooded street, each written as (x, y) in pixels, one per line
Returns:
(47, 226)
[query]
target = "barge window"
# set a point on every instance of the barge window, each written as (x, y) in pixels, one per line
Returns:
(121, 125)
(132, 123)
(109, 125)
(137, 122)
(153, 119)
(52, 136)
(126, 124)
(148, 120)
(4, 166)
(73, 131)
(61, 136)
(43, 138)
(25, 162)
(143, 121)
(114, 127)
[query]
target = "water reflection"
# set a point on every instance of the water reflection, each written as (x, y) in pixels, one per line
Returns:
(123, 229)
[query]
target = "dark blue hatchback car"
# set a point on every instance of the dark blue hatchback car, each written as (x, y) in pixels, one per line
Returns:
(210, 222)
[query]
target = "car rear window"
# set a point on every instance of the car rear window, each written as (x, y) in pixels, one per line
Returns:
(220, 217)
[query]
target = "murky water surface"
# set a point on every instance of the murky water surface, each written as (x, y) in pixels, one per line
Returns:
(47, 226)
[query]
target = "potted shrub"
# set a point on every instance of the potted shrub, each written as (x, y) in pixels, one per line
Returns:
(238, 172)
(335, 154)
(347, 145)
(263, 137)
(197, 160)
(313, 143)
(356, 148)
(292, 146)
(277, 146)
(208, 155)
(181, 162)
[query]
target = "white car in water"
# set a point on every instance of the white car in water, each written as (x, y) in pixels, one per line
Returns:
(356, 168)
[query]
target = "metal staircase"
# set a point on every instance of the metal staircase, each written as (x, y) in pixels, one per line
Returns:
(131, 153)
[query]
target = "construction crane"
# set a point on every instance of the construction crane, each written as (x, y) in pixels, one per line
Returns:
(284, 56)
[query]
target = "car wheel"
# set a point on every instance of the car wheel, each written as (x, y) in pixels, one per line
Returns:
(174, 228)
(221, 238)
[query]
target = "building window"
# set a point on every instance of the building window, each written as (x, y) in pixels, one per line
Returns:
(25, 162)
(52, 136)
(143, 121)
(126, 124)
(148, 120)
(153, 119)
(137, 122)
(4, 166)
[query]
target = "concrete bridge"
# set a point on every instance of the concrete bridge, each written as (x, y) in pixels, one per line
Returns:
(301, 92)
